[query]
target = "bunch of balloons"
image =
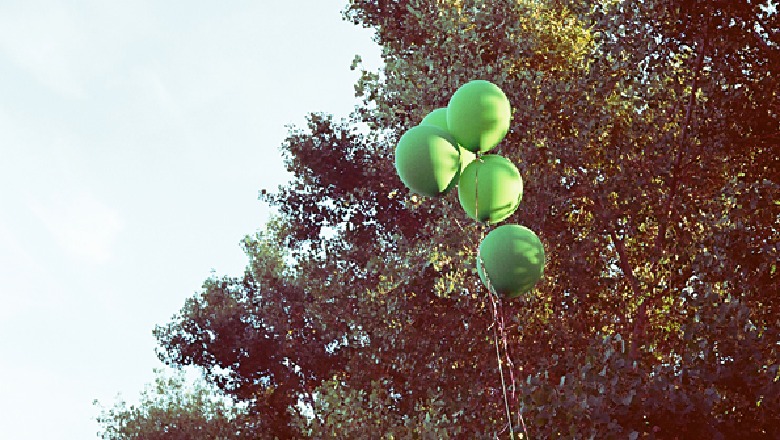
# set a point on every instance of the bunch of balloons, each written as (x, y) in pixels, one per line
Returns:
(446, 150)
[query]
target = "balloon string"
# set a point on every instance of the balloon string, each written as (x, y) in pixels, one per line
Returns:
(511, 366)
(476, 193)
(501, 372)
(491, 294)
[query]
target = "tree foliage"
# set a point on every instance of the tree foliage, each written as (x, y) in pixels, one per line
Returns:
(647, 133)
(172, 409)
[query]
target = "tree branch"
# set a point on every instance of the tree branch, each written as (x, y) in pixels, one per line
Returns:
(641, 316)
(625, 266)
(625, 263)
(675, 173)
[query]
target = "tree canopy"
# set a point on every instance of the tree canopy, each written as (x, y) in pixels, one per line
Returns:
(647, 133)
(173, 409)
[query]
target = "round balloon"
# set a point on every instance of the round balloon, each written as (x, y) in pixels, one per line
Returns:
(437, 118)
(466, 157)
(512, 260)
(490, 188)
(478, 115)
(427, 160)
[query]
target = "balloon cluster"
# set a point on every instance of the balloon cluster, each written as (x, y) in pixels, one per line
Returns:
(445, 151)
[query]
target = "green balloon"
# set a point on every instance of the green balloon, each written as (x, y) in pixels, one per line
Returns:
(437, 118)
(427, 160)
(493, 185)
(513, 258)
(466, 157)
(478, 115)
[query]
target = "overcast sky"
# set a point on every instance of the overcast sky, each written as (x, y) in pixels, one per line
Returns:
(134, 137)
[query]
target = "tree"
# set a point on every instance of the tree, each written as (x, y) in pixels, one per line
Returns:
(172, 410)
(647, 133)
(255, 339)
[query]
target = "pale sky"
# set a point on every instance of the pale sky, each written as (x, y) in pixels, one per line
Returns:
(134, 137)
